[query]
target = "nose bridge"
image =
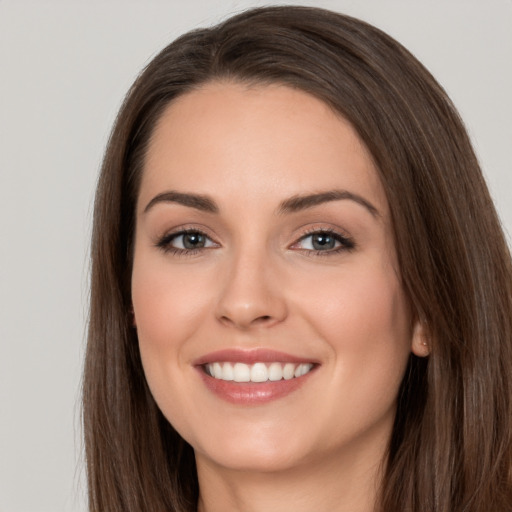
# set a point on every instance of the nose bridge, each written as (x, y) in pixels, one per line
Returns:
(250, 294)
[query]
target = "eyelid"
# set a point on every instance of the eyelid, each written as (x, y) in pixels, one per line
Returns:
(164, 241)
(346, 242)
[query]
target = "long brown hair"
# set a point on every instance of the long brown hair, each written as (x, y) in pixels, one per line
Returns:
(451, 447)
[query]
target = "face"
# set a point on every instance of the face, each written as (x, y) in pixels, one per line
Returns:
(273, 328)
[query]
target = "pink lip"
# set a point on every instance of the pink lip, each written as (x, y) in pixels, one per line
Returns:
(250, 357)
(249, 393)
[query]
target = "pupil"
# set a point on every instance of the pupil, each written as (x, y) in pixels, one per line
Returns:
(323, 241)
(193, 240)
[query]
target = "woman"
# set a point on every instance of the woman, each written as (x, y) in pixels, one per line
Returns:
(301, 295)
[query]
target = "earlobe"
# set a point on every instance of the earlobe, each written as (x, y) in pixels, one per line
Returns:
(420, 343)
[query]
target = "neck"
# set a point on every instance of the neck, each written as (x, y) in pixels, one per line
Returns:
(340, 483)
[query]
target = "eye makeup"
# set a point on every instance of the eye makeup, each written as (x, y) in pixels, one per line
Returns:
(185, 242)
(323, 242)
(314, 242)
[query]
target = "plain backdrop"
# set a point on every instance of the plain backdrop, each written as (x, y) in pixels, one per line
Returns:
(64, 68)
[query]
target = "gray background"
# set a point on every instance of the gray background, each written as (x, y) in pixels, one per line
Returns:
(64, 68)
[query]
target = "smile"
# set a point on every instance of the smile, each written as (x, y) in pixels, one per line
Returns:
(258, 372)
(256, 376)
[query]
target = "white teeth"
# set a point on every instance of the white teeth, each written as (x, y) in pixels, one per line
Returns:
(302, 369)
(217, 370)
(227, 372)
(288, 371)
(241, 372)
(257, 372)
(275, 372)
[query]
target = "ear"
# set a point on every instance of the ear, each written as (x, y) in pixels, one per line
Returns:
(420, 345)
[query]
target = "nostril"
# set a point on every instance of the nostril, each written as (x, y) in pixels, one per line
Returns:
(256, 311)
(261, 319)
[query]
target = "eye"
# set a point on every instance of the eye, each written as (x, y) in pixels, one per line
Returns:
(191, 240)
(324, 241)
(186, 241)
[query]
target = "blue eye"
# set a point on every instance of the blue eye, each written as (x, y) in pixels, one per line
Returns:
(325, 241)
(185, 242)
(320, 242)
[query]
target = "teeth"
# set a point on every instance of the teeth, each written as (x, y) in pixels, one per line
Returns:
(288, 371)
(275, 372)
(301, 370)
(241, 372)
(227, 372)
(217, 370)
(258, 372)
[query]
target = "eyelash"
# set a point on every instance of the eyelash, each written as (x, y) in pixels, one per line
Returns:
(165, 242)
(346, 243)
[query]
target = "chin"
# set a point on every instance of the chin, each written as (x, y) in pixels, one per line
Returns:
(257, 445)
(252, 457)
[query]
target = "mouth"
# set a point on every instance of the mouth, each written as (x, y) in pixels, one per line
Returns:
(253, 377)
(258, 372)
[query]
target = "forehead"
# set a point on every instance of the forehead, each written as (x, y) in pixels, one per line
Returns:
(262, 140)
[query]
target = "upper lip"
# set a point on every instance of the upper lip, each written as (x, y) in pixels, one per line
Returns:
(251, 356)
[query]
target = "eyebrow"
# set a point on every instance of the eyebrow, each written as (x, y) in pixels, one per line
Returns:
(199, 202)
(293, 204)
(299, 203)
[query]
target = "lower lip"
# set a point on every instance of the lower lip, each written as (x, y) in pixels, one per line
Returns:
(251, 393)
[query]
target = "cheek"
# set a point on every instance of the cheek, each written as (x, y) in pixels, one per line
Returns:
(168, 311)
(167, 304)
(372, 308)
(166, 307)
(365, 320)
(359, 299)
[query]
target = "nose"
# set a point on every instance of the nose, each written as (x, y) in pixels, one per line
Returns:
(251, 294)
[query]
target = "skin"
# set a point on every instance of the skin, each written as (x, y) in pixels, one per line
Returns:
(258, 283)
